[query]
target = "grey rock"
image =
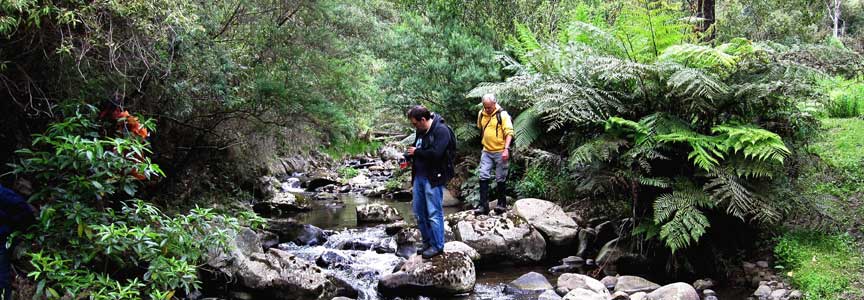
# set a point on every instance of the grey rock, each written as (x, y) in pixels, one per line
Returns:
(565, 269)
(549, 295)
(583, 294)
(639, 296)
(620, 296)
(762, 264)
(701, 284)
(606, 232)
(530, 282)
(332, 259)
(609, 282)
(549, 218)
(281, 204)
(573, 260)
(762, 291)
(634, 284)
(712, 297)
(795, 295)
(446, 274)
(449, 200)
(377, 213)
(586, 239)
(507, 236)
(569, 281)
(778, 294)
(709, 292)
(678, 291)
(457, 246)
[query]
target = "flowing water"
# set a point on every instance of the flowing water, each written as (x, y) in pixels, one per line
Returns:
(364, 267)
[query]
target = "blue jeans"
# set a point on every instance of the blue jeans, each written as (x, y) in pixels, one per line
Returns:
(429, 212)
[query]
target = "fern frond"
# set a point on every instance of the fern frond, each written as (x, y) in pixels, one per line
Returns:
(726, 189)
(754, 142)
(706, 154)
(528, 126)
(695, 84)
(599, 149)
(682, 221)
(700, 57)
(595, 38)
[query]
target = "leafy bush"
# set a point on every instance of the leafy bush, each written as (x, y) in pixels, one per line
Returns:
(354, 147)
(535, 183)
(821, 265)
(845, 98)
(90, 241)
(348, 172)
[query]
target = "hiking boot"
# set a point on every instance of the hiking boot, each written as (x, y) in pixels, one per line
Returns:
(502, 198)
(431, 252)
(423, 248)
(483, 208)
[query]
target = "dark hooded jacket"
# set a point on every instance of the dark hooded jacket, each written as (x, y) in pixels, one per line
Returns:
(434, 158)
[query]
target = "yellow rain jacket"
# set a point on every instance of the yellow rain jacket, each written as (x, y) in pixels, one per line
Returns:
(494, 133)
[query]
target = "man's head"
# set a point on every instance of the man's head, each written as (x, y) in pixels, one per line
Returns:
(420, 117)
(489, 103)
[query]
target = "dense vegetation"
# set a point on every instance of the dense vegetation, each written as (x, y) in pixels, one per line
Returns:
(670, 114)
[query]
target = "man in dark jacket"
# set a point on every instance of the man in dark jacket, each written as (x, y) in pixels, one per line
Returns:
(432, 169)
(15, 213)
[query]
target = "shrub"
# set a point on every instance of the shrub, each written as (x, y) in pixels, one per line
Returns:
(348, 172)
(90, 240)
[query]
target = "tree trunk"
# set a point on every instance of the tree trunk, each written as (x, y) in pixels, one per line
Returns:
(705, 10)
(833, 7)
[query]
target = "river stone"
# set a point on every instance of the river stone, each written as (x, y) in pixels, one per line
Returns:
(620, 296)
(275, 273)
(639, 296)
(289, 230)
(570, 281)
(377, 213)
(586, 239)
(548, 295)
(281, 204)
(795, 295)
(505, 236)
(778, 294)
(573, 260)
(762, 291)
(583, 294)
(445, 275)
(606, 232)
(678, 291)
(609, 282)
(565, 268)
(457, 246)
(532, 282)
(634, 284)
(703, 284)
(359, 181)
(449, 200)
(332, 259)
(394, 228)
(549, 218)
(341, 298)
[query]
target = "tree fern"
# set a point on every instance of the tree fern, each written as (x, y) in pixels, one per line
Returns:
(697, 87)
(726, 189)
(527, 127)
(680, 216)
(700, 57)
(755, 143)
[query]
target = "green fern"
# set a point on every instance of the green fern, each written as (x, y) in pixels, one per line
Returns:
(756, 143)
(726, 189)
(701, 57)
(527, 127)
(680, 216)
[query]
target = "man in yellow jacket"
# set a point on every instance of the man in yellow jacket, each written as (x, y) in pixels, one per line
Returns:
(496, 128)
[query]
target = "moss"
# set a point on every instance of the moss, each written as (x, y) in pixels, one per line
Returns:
(822, 266)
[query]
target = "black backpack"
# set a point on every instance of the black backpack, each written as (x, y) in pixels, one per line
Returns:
(451, 150)
(483, 128)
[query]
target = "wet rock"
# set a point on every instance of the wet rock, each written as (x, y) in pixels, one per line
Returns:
(332, 259)
(268, 239)
(778, 294)
(678, 290)
(317, 182)
(449, 200)
(606, 232)
(583, 294)
(403, 196)
(289, 230)
(573, 260)
(530, 283)
(266, 186)
(708, 292)
(762, 291)
(586, 239)
(507, 236)
(617, 259)
(341, 298)
(702, 284)
(394, 228)
(377, 213)
(639, 296)
(549, 218)
(377, 191)
(360, 181)
(446, 274)
(610, 282)
(634, 284)
(549, 295)
(620, 296)
(762, 264)
(274, 274)
(795, 295)
(565, 269)
(281, 204)
(326, 197)
(390, 152)
(569, 282)
(457, 246)
(309, 235)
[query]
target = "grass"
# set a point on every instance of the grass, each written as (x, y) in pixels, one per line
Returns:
(822, 266)
(355, 147)
(845, 97)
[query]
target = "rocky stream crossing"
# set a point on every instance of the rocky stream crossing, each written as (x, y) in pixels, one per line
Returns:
(332, 238)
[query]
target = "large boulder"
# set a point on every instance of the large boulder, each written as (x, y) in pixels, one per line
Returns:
(377, 213)
(569, 281)
(360, 181)
(450, 273)
(549, 218)
(677, 291)
(634, 284)
(457, 246)
(289, 230)
(449, 200)
(530, 283)
(281, 204)
(507, 236)
(274, 274)
(583, 294)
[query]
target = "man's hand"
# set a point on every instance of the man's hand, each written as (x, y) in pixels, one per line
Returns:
(411, 150)
(506, 154)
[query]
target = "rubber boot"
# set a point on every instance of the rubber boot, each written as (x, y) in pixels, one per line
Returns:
(502, 198)
(483, 208)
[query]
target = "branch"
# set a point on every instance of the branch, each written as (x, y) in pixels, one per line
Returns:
(230, 19)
